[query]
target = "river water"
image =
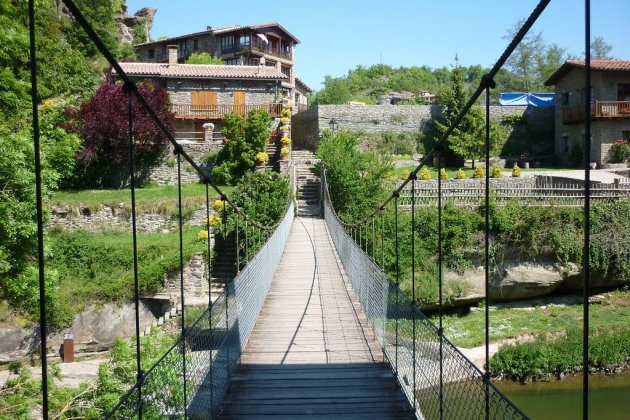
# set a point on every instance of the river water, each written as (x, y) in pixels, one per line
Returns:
(609, 397)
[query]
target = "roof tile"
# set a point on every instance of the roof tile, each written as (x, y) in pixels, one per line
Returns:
(201, 71)
(597, 65)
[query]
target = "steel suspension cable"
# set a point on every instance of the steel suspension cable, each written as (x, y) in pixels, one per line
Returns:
(397, 276)
(39, 205)
(134, 236)
(587, 205)
(209, 265)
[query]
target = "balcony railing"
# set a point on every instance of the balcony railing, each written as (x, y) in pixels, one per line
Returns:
(599, 110)
(218, 111)
(273, 51)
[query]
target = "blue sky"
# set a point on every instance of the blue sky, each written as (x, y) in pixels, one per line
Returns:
(336, 36)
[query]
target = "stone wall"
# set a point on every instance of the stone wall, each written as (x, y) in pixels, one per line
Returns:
(256, 92)
(534, 132)
(195, 282)
(165, 172)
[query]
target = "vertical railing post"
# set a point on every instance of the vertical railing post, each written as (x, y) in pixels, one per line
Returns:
(209, 297)
(39, 204)
(136, 293)
(396, 196)
(246, 241)
(178, 151)
(488, 83)
(413, 279)
(238, 247)
(440, 291)
(587, 205)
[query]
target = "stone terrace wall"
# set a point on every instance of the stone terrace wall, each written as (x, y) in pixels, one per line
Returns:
(307, 126)
(165, 173)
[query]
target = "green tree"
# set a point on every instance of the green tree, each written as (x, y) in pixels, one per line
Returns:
(468, 139)
(356, 178)
(203, 58)
(244, 137)
(524, 61)
(600, 49)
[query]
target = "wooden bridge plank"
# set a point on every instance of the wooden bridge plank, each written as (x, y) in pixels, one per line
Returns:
(311, 352)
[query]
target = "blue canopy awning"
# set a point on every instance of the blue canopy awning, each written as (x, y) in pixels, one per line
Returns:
(527, 99)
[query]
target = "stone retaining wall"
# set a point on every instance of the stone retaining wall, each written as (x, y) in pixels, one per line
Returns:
(533, 133)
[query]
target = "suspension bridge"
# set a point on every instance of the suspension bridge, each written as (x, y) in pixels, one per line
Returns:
(311, 325)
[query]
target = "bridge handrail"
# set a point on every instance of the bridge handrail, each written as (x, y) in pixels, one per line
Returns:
(387, 307)
(212, 345)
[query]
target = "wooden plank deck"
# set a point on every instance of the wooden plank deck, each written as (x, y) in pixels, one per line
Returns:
(310, 354)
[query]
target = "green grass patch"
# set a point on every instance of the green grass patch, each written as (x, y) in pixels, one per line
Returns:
(611, 314)
(98, 268)
(152, 199)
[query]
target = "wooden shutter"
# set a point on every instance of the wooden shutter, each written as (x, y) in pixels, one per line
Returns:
(239, 102)
(203, 101)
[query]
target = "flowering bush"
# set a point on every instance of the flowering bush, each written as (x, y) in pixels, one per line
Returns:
(285, 141)
(460, 174)
(479, 172)
(261, 157)
(496, 172)
(405, 174)
(443, 174)
(286, 113)
(202, 235)
(516, 171)
(284, 151)
(285, 120)
(425, 174)
(214, 221)
(218, 205)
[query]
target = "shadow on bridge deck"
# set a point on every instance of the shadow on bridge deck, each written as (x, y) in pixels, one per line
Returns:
(311, 352)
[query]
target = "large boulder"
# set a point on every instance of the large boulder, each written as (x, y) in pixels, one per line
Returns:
(522, 280)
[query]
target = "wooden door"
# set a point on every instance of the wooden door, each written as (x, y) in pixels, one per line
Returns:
(203, 103)
(239, 102)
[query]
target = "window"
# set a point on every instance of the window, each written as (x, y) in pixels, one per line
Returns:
(286, 70)
(231, 62)
(151, 53)
(227, 41)
(195, 44)
(564, 99)
(244, 39)
(260, 42)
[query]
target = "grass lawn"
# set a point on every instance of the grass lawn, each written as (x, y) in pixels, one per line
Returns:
(153, 199)
(611, 314)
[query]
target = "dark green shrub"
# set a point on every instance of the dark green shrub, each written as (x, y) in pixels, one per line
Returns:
(620, 152)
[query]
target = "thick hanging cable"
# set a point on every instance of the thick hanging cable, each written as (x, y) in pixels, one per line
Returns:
(181, 270)
(587, 203)
(440, 302)
(238, 249)
(134, 236)
(39, 205)
(488, 82)
(246, 242)
(413, 280)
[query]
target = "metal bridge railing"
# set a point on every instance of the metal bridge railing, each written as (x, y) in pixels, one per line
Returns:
(212, 346)
(437, 379)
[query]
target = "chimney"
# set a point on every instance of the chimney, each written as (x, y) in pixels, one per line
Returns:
(172, 54)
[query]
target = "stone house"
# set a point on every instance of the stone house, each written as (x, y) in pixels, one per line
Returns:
(265, 44)
(300, 97)
(201, 94)
(609, 111)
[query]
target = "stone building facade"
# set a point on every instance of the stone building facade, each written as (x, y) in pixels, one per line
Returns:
(534, 135)
(610, 107)
(267, 44)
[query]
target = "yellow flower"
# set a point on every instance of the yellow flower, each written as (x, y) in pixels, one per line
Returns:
(516, 171)
(443, 174)
(425, 174)
(214, 221)
(460, 174)
(218, 205)
(202, 235)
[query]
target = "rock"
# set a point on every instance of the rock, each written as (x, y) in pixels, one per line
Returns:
(146, 12)
(392, 98)
(522, 280)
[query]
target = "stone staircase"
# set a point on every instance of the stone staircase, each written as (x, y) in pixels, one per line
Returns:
(224, 267)
(307, 181)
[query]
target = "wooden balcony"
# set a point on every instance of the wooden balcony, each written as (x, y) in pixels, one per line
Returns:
(209, 112)
(600, 110)
(272, 51)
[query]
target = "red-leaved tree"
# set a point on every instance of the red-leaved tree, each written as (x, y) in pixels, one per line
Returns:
(102, 124)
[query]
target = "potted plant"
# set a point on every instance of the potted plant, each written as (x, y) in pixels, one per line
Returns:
(284, 153)
(261, 158)
(285, 141)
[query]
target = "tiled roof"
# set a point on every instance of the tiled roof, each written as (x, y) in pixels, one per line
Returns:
(598, 65)
(225, 30)
(303, 85)
(202, 71)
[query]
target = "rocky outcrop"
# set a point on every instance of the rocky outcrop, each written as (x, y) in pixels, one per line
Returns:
(392, 98)
(127, 24)
(522, 280)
